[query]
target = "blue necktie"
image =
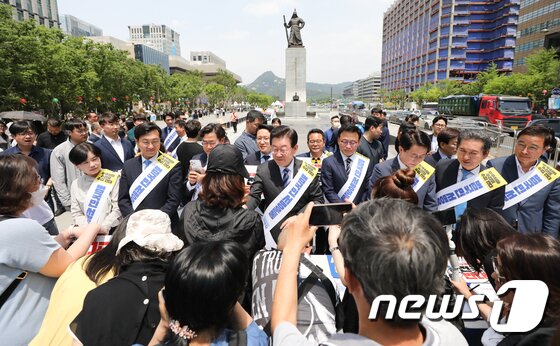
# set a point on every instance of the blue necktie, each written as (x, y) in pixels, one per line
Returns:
(460, 208)
(146, 164)
(286, 177)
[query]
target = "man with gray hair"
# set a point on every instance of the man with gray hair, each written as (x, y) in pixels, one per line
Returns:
(472, 148)
(389, 247)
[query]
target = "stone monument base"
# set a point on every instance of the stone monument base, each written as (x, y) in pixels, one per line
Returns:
(296, 109)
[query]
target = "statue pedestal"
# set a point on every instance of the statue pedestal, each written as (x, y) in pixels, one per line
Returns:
(295, 109)
(296, 82)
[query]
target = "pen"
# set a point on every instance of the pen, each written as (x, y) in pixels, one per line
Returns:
(472, 288)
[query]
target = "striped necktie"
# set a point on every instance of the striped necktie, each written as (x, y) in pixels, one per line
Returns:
(348, 165)
(286, 177)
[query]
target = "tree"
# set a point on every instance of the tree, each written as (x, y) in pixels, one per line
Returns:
(187, 85)
(477, 87)
(216, 93)
(261, 100)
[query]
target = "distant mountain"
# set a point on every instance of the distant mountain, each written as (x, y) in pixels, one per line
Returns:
(270, 84)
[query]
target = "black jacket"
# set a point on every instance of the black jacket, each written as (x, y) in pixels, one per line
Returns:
(243, 226)
(124, 310)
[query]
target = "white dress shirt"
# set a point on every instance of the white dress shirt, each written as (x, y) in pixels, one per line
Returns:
(117, 145)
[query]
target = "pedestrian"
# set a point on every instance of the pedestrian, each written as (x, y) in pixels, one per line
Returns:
(234, 120)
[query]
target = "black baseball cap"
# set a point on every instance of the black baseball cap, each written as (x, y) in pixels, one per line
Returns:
(226, 159)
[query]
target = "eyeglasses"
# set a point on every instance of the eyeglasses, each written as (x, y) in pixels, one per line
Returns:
(283, 150)
(318, 141)
(346, 143)
(26, 133)
(439, 125)
(153, 143)
(530, 148)
(81, 132)
(495, 267)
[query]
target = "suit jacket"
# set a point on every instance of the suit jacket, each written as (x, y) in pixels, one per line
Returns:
(94, 138)
(333, 177)
(427, 193)
(166, 196)
(268, 182)
(165, 131)
(446, 175)
(255, 158)
(538, 213)
(109, 157)
(433, 159)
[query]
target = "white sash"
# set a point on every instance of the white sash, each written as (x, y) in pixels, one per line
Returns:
(423, 172)
(170, 138)
(358, 172)
(98, 195)
(149, 179)
(174, 152)
(468, 189)
(286, 200)
(529, 184)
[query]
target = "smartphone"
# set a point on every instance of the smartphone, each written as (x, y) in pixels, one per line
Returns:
(329, 214)
(196, 165)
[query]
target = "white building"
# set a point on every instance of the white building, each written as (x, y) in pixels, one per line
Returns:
(160, 37)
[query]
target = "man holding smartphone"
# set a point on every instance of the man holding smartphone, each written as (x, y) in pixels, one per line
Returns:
(212, 135)
(286, 187)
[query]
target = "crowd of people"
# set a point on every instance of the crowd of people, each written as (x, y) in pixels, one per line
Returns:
(210, 241)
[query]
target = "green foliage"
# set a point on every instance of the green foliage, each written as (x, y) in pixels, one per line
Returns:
(261, 100)
(216, 94)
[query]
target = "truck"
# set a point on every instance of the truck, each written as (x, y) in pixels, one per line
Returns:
(509, 111)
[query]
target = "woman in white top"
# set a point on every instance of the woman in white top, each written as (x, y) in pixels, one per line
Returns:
(101, 208)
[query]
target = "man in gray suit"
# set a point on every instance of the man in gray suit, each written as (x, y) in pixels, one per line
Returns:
(274, 175)
(538, 212)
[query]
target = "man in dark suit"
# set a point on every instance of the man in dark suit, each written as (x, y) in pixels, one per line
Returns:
(539, 212)
(169, 119)
(472, 148)
(166, 196)
(413, 148)
(335, 169)
(114, 150)
(447, 146)
(385, 136)
(273, 176)
(212, 135)
(263, 143)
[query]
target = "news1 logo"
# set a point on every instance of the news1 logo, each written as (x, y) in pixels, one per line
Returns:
(526, 311)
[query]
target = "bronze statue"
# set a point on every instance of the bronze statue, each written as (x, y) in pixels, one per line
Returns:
(295, 24)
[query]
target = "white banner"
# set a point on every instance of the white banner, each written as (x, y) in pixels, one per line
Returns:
(99, 243)
(468, 189)
(529, 184)
(286, 200)
(149, 179)
(358, 172)
(98, 195)
(170, 139)
(174, 152)
(423, 172)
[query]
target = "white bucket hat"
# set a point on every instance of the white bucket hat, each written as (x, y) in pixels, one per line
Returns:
(151, 229)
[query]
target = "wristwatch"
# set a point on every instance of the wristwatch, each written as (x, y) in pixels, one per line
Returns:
(333, 249)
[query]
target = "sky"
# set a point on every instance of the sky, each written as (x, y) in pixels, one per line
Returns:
(342, 37)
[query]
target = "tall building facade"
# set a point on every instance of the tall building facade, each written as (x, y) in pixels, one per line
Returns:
(44, 12)
(366, 90)
(160, 37)
(433, 40)
(538, 27)
(76, 27)
(151, 56)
